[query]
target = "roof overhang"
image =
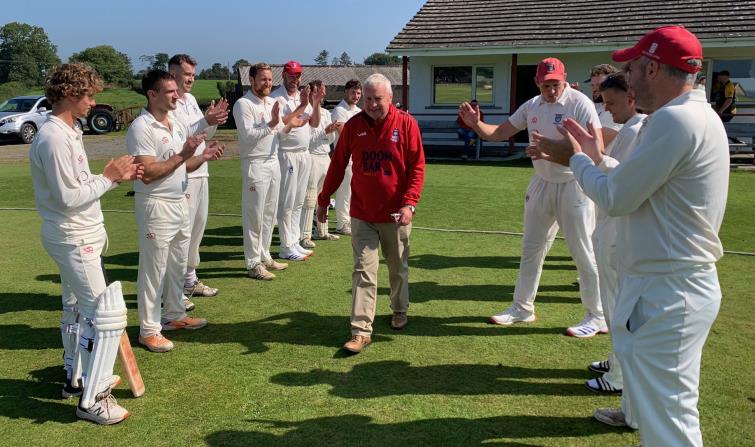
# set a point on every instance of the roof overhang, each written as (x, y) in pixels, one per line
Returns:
(550, 49)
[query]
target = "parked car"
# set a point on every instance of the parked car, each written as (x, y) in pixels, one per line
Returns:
(21, 117)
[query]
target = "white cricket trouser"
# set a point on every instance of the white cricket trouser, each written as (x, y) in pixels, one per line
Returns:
(547, 206)
(82, 277)
(164, 235)
(294, 168)
(660, 325)
(198, 197)
(604, 243)
(343, 199)
(259, 203)
(320, 165)
(82, 280)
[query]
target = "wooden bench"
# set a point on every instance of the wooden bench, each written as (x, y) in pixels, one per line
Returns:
(445, 133)
(735, 131)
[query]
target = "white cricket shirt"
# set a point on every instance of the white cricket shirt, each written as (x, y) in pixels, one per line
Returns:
(319, 143)
(606, 120)
(672, 189)
(256, 138)
(297, 139)
(343, 112)
(65, 190)
(191, 116)
(147, 136)
(544, 117)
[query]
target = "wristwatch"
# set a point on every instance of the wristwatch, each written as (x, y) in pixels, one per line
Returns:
(412, 208)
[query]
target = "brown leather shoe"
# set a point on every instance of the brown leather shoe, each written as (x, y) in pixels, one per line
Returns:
(399, 320)
(357, 343)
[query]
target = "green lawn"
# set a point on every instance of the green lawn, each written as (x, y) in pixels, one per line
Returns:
(268, 370)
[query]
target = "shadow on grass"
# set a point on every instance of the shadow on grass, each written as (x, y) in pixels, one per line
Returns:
(19, 302)
(425, 291)
(28, 399)
(439, 262)
(398, 378)
(361, 430)
(310, 329)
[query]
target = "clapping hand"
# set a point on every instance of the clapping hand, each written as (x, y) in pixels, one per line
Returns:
(191, 145)
(217, 114)
(213, 151)
(123, 169)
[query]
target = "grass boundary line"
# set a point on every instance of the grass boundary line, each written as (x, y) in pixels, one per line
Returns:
(438, 230)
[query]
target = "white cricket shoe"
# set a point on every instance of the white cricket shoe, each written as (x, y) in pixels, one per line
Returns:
(297, 246)
(590, 326)
(291, 255)
(105, 411)
(512, 315)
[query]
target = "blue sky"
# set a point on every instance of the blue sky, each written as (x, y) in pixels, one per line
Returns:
(220, 31)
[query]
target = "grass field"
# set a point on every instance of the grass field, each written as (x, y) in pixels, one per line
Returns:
(268, 370)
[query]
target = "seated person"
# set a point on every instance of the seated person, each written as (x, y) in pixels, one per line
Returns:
(466, 133)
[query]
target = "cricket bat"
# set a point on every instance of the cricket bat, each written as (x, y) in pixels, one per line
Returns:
(129, 366)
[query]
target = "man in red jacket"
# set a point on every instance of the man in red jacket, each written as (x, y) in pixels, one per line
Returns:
(389, 168)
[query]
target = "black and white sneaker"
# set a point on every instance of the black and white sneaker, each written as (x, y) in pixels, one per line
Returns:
(70, 391)
(601, 385)
(601, 367)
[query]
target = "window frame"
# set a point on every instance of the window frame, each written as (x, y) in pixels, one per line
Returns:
(473, 87)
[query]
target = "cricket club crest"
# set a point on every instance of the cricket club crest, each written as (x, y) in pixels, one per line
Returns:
(558, 119)
(394, 136)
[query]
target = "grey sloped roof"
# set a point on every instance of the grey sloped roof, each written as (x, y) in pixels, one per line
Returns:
(514, 23)
(331, 75)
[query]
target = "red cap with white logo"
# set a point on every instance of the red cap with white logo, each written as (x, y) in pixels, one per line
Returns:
(550, 69)
(670, 45)
(292, 67)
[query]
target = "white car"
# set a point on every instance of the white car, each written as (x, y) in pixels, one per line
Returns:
(22, 116)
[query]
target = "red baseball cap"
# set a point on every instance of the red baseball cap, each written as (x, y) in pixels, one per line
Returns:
(549, 69)
(670, 45)
(292, 67)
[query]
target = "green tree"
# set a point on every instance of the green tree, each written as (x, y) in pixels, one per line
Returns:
(322, 58)
(157, 61)
(26, 54)
(239, 63)
(381, 59)
(112, 65)
(217, 71)
(335, 61)
(345, 59)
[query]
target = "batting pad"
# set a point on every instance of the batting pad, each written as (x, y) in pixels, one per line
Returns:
(108, 324)
(69, 333)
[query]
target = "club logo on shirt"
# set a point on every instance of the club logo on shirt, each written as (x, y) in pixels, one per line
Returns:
(81, 158)
(558, 118)
(362, 134)
(534, 120)
(290, 170)
(168, 154)
(372, 163)
(83, 176)
(165, 140)
(252, 188)
(88, 249)
(394, 136)
(151, 236)
(188, 196)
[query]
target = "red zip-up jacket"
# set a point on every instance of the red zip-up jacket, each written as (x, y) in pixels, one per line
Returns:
(388, 169)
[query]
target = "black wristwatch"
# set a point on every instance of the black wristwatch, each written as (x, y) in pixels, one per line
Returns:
(412, 208)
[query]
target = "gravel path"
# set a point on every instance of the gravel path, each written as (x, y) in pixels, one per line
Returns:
(103, 147)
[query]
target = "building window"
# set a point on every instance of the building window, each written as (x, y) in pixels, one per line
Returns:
(742, 74)
(453, 85)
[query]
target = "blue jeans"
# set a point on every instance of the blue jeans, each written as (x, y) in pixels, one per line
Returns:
(467, 135)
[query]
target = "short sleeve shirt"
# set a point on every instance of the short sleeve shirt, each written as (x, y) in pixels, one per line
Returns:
(147, 136)
(545, 117)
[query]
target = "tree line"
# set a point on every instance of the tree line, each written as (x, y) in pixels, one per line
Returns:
(345, 59)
